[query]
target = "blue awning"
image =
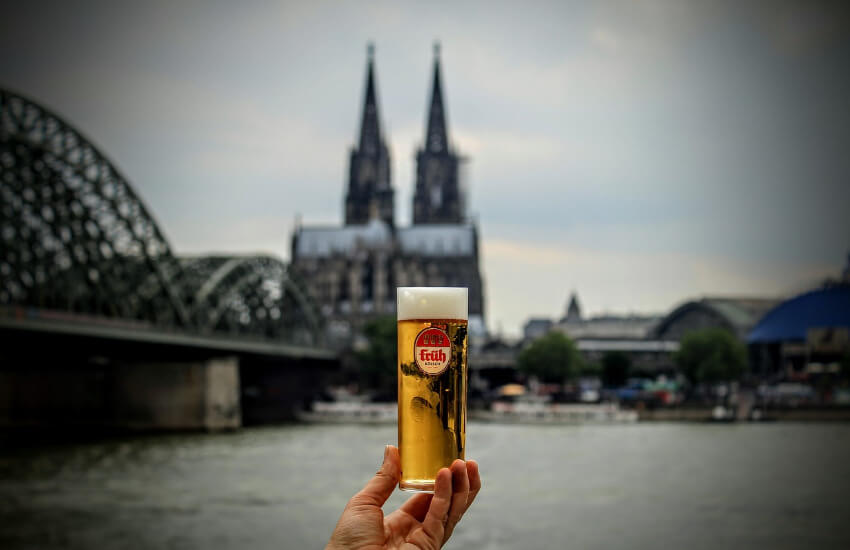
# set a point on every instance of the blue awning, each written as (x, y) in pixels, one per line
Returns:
(827, 307)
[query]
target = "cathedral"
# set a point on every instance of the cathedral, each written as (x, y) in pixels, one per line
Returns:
(352, 271)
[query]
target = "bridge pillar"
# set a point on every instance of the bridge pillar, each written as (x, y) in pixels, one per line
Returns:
(150, 395)
(64, 376)
(175, 396)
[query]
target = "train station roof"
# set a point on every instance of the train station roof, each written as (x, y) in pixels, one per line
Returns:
(738, 315)
(827, 307)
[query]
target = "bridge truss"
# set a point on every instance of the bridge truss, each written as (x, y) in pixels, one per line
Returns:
(75, 237)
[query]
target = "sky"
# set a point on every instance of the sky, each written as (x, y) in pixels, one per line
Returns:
(638, 153)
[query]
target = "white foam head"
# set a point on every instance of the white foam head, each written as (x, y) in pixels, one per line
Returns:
(437, 302)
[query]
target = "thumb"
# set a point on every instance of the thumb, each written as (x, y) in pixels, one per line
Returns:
(380, 487)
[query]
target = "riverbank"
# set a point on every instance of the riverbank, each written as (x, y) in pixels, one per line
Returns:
(706, 414)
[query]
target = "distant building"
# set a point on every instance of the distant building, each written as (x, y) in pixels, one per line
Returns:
(596, 336)
(647, 356)
(738, 315)
(352, 271)
(623, 327)
(536, 327)
(804, 336)
(634, 327)
(650, 341)
(493, 364)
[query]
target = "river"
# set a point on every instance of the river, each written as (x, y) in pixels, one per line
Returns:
(771, 486)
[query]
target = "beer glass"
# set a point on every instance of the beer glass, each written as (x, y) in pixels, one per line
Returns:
(432, 348)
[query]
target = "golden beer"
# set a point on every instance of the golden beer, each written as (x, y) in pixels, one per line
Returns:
(432, 349)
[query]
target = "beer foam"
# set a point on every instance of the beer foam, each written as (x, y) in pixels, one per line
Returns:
(420, 302)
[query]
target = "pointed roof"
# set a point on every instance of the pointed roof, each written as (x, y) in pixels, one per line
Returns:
(370, 127)
(573, 309)
(436, 136)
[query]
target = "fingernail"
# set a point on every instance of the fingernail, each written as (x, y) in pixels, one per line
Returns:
(386, 453)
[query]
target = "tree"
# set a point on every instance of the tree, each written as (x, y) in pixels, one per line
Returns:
(711, 355)
(552, 358)
(590, 369)
(378, 360)
(615, 369)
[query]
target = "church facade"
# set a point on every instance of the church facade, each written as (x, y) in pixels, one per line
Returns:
(352, 271)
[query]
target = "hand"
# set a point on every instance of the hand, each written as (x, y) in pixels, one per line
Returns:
(424, 522)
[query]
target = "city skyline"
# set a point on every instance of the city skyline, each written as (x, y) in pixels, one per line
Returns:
(624, 152)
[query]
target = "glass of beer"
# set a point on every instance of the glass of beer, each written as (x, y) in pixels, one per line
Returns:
(432, 347)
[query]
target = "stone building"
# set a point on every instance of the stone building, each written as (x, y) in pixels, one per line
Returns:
(352, 271)
(598, 335)
(606, 327)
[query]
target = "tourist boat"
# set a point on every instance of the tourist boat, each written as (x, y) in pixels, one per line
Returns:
(536, 412)
(353, 412)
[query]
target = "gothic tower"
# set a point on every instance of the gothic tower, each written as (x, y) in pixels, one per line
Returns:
(573, 310)
(437, 197)
(369, 189)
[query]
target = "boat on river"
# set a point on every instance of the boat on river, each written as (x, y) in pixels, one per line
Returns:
(353, 412)
(513, 409)
(521, 412)
(349, 412)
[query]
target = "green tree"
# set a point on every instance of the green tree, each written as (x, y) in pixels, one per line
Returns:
(378, 360)
(615, 369)
(711, 355)
(589, 368)
(552, 358)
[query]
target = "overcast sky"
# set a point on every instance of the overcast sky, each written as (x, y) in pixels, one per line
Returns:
(639, 153)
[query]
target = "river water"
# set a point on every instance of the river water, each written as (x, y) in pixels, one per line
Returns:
(770, 486)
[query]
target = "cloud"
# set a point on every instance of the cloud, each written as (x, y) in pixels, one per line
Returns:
(525, 278)
(639, 151)
(257, 235)
(606, 39)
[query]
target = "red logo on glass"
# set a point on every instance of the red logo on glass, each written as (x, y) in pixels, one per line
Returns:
(432, 351)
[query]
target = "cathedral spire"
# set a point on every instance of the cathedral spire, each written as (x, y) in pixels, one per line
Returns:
(436, 136)
(370, 128)
(369, 161)
(438, 197)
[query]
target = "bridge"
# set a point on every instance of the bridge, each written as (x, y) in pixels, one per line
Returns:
(103, 325)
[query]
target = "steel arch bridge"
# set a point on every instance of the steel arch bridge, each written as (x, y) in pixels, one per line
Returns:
(251, 295)
(75, 237)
